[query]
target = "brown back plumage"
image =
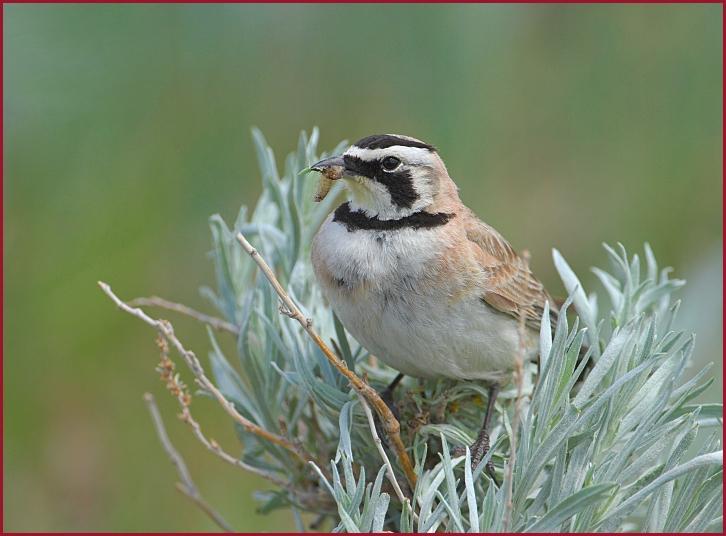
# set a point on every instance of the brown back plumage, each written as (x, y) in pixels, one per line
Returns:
(511, 286)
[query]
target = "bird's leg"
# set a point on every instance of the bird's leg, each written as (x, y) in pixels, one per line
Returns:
(387, 397)
(387, 394)
(480, 447)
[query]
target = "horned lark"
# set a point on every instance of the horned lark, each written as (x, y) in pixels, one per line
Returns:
(417, 278)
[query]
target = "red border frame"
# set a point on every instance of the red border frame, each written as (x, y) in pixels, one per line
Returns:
(2, 134)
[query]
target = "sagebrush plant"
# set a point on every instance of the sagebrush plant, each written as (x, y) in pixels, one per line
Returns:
(613, 452)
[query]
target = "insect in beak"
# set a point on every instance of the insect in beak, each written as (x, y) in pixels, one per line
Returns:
(330, 169)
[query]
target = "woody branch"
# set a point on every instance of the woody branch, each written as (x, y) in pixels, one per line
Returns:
(390, 423)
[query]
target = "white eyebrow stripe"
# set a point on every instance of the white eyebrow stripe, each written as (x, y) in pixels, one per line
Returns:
(414, 155)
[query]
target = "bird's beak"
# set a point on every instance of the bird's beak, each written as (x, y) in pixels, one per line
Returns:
(333, 168)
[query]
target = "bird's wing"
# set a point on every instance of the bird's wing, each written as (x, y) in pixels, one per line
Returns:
(510, 285)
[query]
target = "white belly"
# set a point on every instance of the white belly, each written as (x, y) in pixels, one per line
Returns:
(386, 288)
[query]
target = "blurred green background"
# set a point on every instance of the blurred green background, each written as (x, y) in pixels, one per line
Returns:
(127, 126)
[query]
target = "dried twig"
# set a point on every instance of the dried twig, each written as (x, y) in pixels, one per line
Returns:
(519, 381)
(381, 451)
(166, 329)
(186, 486)
(390, 423)
(155, 301)
(214, 447)
(179, 391)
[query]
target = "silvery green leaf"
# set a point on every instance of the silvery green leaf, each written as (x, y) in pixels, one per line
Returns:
(647, 395)
(346, 413)
(652, 295)
(668, 315)
(634, 267)
(470, 494)
(357, 490)
(544, 394)
(661, 502)
(295, 224)
(577, 469)
(488, 509)
(379, 516)
(603, 365)
(225, 376)
(712, 458)
(652, 271)
(570, 506)
(458, 435)
(406, 517)
(567, 425)
(369, 505)
(582, 304)
(313, 143)
(612, 286)
(271, 233)
(342, 340)
(578, 372)
(348, 522)
(545, 335)
(708, 515)
(342, 146)
(223, 265)
(691, 490)
(430, 486)
(322, 478)
(211, 296)
(648, 440)
(436, 518)
(452, 497)
(266, 161)
(556, 476)
(686, 395)
(618, 262)
(706, 412)
(568, 365)
(431, 482)
(658, 508)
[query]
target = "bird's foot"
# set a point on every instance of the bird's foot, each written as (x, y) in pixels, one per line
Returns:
(478, 450)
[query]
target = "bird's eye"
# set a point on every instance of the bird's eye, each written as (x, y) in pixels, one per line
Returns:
(390, 163)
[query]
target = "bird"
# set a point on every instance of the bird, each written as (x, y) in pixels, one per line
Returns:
(418, 279)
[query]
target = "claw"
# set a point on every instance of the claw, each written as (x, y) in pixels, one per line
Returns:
(478, 450)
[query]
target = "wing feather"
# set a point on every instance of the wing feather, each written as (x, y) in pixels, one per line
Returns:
(510, 285)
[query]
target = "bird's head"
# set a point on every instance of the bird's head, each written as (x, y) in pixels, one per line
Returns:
(390, 176)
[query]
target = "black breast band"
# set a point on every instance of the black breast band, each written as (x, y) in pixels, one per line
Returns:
(355, 220)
